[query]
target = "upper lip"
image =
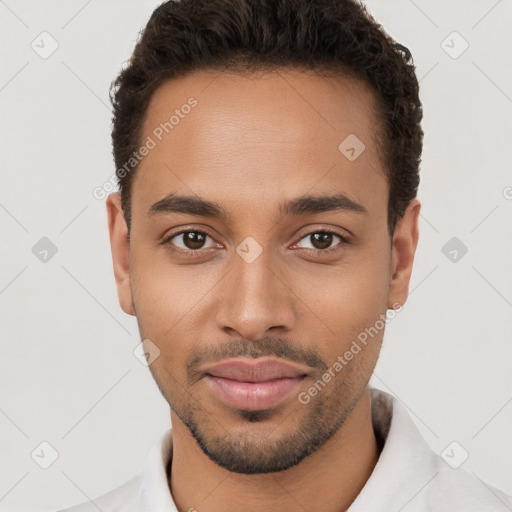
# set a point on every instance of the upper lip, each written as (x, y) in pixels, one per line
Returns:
(250, 370)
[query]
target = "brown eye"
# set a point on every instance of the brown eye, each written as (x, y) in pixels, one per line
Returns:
(192, 240)
(321, 240)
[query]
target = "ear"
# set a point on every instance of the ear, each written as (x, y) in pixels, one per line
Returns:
(120, 247)
(405, 240)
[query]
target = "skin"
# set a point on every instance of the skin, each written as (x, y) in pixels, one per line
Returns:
(253, 142)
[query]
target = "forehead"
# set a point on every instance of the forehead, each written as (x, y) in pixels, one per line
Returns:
(240, 137)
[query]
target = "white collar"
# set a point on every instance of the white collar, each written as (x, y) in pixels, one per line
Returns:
(409, 476)
(406, 461)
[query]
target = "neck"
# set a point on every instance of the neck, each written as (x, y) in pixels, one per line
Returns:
(328, 479)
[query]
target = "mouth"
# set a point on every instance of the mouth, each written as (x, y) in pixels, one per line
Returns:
(254, 385)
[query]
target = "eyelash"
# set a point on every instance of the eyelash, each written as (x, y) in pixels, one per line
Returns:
(196, 253)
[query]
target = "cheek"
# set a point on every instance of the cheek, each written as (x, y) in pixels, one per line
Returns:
(151, 294)
(163, 303)
(349, 294)
(168, 297)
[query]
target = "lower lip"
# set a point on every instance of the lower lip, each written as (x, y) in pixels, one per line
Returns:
(253, 396)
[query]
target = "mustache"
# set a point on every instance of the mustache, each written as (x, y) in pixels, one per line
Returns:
(277, 347)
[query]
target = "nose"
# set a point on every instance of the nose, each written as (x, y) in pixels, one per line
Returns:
(255, 299)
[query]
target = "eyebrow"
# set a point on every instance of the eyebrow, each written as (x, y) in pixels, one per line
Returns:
(318, 204)
(308, 204)
(175, 203)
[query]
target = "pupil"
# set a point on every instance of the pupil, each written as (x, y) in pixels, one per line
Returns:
(193, 239)
(322, 240)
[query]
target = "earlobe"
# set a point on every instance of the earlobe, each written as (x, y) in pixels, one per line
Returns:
(120, 247)
(405, 241)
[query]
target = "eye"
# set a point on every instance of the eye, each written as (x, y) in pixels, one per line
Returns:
(322, 240)
(189, 240)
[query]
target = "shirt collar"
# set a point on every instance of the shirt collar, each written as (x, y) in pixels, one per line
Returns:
(406, 463)
(155, 495)
(405, 457)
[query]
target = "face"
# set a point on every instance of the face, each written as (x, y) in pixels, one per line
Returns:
(259, 252)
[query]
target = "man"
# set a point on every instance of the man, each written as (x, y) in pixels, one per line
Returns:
(267, 155)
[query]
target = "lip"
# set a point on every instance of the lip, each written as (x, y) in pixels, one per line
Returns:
(254, 384)
(251, 370)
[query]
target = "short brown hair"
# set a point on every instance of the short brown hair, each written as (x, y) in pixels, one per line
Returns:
(189, 35)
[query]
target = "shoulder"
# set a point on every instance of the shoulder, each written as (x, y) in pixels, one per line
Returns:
(124, 498)
(456, 489)
(148, 490)
(411, 476)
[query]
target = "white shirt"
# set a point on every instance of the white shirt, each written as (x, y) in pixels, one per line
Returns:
(408, 477)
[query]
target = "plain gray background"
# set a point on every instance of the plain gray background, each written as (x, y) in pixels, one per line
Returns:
(68, 373)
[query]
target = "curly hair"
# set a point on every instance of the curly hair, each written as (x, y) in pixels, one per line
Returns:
(244, 35)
